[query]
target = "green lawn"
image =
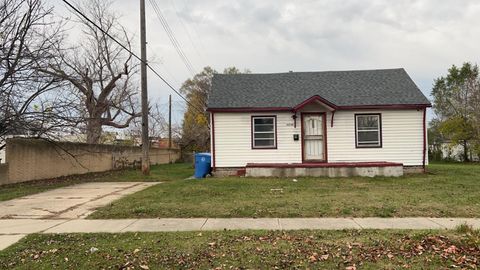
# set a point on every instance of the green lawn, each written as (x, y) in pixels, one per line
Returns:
(166, 172)
(448, 190)
(365, 249)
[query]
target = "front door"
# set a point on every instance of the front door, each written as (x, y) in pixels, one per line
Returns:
(313, 137)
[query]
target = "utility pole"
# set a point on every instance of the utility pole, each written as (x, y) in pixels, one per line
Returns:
(170, 122)
(143, 71)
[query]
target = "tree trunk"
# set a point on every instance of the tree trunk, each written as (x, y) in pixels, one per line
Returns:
(465, 152)
(94, 131)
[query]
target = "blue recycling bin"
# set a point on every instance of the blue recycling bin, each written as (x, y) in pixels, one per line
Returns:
(203, 165)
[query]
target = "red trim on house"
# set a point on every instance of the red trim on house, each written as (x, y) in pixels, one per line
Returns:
(325, 150)
(358, 107)
(301, 138)
(251, 109)
(385, 107)
(213, 140)
(314, 98)
(331, 120)
(324, 165)
(380, 128)
(424, 138)
(251, 132)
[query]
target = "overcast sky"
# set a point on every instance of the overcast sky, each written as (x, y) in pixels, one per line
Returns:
(424, 37)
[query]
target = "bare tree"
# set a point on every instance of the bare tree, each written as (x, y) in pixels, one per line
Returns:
(157, 127)
(99, 71)
(28, 38)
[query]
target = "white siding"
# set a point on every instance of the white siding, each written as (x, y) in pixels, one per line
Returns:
(233, 146)
(402, 139)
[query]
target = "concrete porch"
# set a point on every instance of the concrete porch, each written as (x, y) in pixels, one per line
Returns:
(337, 169)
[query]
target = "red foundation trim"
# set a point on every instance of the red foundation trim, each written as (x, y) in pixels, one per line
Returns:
(241, 172)
(324, 165)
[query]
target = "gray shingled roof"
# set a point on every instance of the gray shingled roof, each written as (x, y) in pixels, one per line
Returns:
(342, 88)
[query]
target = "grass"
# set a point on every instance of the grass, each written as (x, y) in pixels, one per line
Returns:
(366, 249)
(448, 190)
(166, 172)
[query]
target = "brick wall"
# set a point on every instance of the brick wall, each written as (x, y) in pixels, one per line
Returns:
(3, 172)
(32, 159)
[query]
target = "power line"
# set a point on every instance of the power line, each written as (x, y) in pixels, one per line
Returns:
(172, 37)
(132, 53)
(161, 64)
(202, 45)
(187, 31)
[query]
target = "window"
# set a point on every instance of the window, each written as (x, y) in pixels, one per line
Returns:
(368, 130)
(264, 132)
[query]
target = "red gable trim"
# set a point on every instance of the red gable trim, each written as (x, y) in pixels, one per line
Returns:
(312, 99)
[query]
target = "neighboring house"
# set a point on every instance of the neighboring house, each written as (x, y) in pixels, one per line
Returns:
(3, 152)
(334, 123)
(163, 143)
(2, 156)
(454, 152)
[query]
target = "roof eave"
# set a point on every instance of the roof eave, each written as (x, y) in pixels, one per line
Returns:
(249, 109)
(385, 106)
(337, 108)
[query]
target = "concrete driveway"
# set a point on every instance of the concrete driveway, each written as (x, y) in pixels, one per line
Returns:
(72, 202)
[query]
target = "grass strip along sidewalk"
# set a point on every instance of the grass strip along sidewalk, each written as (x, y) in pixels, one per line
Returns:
(351, 249)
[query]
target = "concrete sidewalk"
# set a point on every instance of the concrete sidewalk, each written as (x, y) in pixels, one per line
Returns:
(11, 230)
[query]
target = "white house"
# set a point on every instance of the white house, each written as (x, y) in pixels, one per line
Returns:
(334, 123)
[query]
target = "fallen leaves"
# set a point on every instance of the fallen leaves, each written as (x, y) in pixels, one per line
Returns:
(351, 250)
(451, 250)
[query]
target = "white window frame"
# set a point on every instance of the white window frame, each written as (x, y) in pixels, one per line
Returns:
(368, 144)
(274, 146)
